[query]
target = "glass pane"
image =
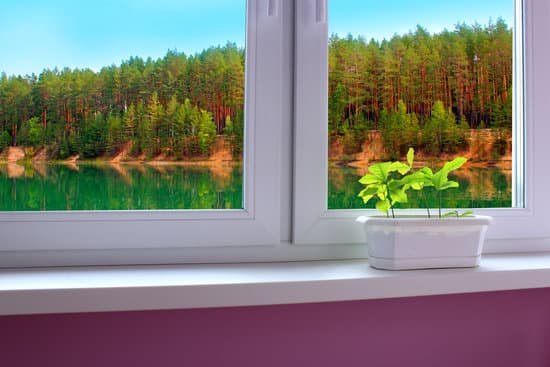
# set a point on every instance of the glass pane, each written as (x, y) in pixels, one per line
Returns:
(429, 74)
(120, 105)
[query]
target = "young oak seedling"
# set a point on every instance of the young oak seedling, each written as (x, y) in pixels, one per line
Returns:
(389, 182)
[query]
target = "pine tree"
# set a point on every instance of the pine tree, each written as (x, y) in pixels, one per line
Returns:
(180, 133)
(36, 132)
(439, 130)
(169, 128)
(155, 115)
(129, 124)
(115, 133)
(93, 137)
(144, 132)
(206, 131)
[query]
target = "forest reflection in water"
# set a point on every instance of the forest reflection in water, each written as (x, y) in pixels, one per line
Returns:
(119, 186)
(170, 186)
(479, 188)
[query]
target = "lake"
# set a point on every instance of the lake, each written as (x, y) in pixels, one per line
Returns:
(479, 188)
(142, 187)
(119, 187)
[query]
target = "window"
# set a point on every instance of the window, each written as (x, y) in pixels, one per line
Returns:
(144, 112)
(432, 75)
(113, 205)
(290, 98)
(350, 108)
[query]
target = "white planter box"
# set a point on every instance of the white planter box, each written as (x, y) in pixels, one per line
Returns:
(420, 242)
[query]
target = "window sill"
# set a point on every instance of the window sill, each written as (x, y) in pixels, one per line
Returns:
(92, 289)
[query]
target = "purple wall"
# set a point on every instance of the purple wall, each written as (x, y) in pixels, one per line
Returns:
(484, 329)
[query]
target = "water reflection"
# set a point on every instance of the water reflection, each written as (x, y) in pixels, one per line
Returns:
(168, 186)
(119, 187)
(479, 188)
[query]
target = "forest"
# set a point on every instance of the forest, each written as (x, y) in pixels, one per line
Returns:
(175, 105)
(420, 89)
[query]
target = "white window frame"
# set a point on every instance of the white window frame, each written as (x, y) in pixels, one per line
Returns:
(285, 174)
(51, 238)
(314, 223)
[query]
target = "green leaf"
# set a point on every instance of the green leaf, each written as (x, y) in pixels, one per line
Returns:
(395, 184)
(416, 181)
(449, 185)
(366, 198)
(371, 190)
(427, 172)
(382, 192)
(454, 164)
(439, 179)
(380, 170)
(468, 213)
(369, 179)
(410, 157)
(368, 193)
(453, 213)
(402, 168)
(398, 196)
(383, 206)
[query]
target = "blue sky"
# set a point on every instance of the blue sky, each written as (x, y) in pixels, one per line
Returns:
(38, 34)
(383, 18)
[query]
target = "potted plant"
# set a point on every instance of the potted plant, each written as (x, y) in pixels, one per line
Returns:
(443, 240)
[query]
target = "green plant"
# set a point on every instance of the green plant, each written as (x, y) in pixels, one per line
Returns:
(389, 182)
(381, 184)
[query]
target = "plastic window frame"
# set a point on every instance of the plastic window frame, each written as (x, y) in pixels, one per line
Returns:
(314, 223)
(26, 238)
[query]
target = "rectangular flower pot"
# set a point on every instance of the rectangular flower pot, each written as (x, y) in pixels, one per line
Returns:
(421, 243)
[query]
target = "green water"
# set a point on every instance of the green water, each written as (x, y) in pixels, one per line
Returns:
(479, 188)
(143, 187)
(120, 187)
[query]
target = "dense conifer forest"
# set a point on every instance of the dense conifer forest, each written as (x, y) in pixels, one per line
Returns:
(174, 105)
(418, 89)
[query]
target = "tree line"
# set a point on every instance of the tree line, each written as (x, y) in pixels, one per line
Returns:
(175, 105)
(419, 89)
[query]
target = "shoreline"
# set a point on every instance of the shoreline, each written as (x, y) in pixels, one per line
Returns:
(503, 165)
(205, 163)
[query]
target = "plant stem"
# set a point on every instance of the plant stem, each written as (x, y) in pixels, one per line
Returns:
(440, 203)
(423, 198)
(392, 213)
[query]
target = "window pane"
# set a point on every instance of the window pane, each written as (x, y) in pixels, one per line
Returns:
(121, 105)
(429, 74)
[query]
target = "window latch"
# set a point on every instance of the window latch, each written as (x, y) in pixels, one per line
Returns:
(321, 11)
(273, 8)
